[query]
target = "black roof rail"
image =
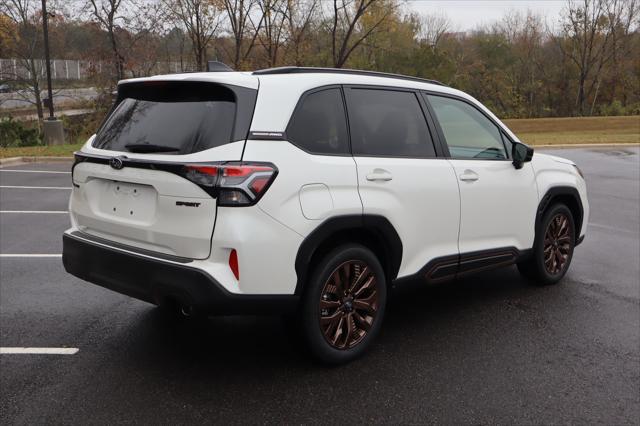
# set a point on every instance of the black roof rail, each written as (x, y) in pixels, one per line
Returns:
(310, 70)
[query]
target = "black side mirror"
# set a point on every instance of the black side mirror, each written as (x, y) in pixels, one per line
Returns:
(521, 153)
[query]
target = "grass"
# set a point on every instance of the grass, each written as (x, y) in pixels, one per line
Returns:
(37, 151)
(577, 130)
(535, 131)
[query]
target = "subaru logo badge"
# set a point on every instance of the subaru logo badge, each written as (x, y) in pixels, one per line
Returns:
(116, 163)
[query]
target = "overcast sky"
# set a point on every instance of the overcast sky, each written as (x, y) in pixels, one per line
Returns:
(469, 14)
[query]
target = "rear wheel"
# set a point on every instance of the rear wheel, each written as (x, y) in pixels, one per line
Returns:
(343, 304)
(553, 248)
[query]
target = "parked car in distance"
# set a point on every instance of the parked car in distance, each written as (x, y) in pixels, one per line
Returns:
(310, 192)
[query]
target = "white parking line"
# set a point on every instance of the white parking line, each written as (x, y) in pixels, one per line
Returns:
(34, 171)
(35, 187)
(39, 351)
(30, 255)
(36, 211)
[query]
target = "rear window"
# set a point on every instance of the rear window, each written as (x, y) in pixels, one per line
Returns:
(175, 117)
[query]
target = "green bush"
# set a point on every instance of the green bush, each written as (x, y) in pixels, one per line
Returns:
(78, 128)
(14, 133)
(616, 108)
(613, 109)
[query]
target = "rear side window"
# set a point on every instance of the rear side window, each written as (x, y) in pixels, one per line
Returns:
(319, 125)
(172, 118)
(388, 123)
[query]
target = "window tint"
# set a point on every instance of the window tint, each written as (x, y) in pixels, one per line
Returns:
(468, 133)
(388, 123)
(319, 124)
(169, 119)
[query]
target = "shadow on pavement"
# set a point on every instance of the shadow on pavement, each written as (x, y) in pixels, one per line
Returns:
(257, 342)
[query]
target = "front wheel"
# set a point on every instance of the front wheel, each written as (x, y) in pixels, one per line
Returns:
(343, 304)
(553, 248)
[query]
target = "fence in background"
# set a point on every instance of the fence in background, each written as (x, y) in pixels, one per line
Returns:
(70, 69)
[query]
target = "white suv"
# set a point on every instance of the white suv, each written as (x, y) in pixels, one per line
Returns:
(310, 192)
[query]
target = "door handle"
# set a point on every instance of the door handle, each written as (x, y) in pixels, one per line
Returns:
(379, 174)
(469, 176)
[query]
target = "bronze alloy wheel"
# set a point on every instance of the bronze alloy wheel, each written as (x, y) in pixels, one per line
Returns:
(557, 244)
(348, 304)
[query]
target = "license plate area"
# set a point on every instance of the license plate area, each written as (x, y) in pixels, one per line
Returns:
(123, 201)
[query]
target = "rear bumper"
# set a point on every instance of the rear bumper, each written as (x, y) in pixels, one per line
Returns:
(154, 280)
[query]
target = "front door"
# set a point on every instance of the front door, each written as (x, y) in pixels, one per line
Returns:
(498, 201)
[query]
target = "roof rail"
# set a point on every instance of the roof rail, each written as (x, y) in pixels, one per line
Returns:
(311, 70)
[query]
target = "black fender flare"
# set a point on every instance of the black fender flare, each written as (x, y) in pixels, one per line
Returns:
(375, 226)
(552, 194)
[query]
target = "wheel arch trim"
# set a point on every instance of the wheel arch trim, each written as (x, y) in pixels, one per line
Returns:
(554, 193)
(375, 226)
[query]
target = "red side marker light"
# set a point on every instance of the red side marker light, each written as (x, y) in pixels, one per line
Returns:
(233, 263)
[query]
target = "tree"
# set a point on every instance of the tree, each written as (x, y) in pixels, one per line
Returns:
(23, 29)
(274, 14)
(347, 14)
(243, 28)
(433, 28)
(107, 13)
(586, 37)
(200, 19)
(586, 65)
(299, 20)
(622, 14)
(525, 36)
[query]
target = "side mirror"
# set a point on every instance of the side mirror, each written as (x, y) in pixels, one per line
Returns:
(521, 153)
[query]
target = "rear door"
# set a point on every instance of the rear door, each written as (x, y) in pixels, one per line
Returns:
(399, 175)
(146, 179)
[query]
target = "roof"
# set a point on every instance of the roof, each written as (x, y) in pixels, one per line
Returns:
(318, 70)
(284, 86)
(281, 88)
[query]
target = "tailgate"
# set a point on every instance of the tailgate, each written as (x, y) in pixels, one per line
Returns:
(131, 184)
(149, 209)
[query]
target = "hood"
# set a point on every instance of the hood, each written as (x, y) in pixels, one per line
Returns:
(557, 159)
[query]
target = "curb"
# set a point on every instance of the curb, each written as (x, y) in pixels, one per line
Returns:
(33, 159)
(587, 145)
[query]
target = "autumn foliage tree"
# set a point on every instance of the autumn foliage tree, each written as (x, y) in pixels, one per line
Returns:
(584, 62)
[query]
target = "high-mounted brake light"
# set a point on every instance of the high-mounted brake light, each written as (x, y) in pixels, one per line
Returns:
(234, 184)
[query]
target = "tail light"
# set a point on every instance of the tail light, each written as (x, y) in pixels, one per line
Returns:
(234, 184)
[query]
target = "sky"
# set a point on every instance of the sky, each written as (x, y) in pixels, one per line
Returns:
(468, 14)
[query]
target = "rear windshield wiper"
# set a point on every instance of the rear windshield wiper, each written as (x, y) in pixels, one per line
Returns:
(149, 147)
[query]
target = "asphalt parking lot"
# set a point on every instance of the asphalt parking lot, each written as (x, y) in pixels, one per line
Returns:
(487, 349)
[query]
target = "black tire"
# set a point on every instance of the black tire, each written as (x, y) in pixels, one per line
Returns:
(358, 312)
(540, 268)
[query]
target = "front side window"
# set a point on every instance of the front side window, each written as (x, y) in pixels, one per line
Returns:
(388, 123)
(467, 132)
(319, 125)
